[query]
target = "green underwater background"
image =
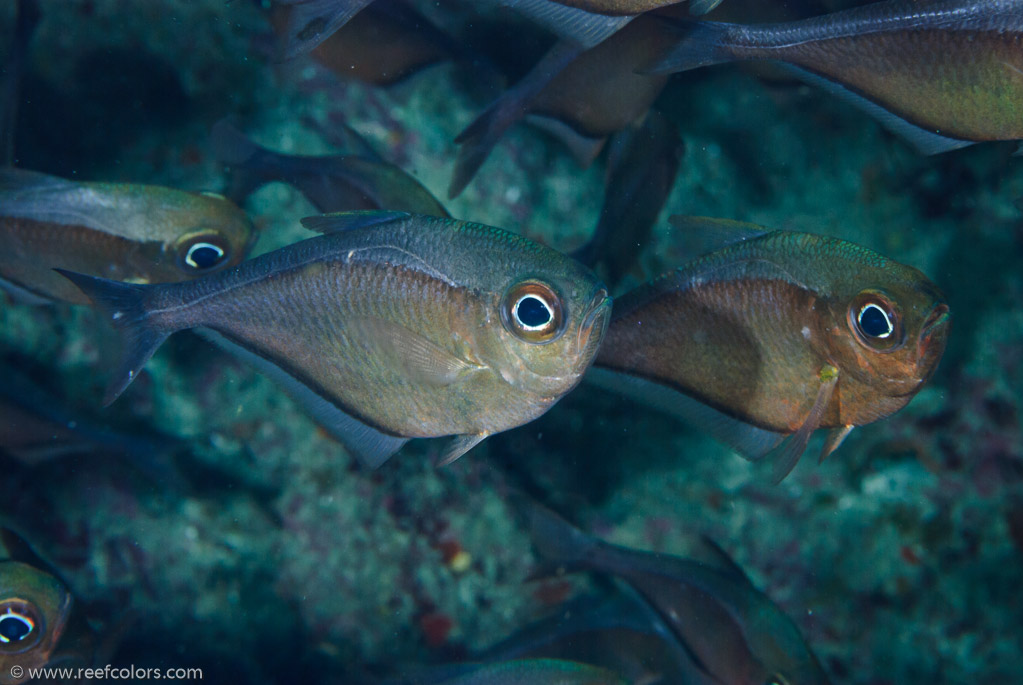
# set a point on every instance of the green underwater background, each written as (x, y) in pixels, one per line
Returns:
(281, 559)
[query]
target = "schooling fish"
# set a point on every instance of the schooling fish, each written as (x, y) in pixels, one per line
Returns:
(131, 232)
(735, 632)
(621, 633)
(943, 74)
(34, 609)
(590, 22)
(642, 166)
(36, 426)
(353, 180)
(581, 97)
(776, 336)
(382, 44)
(392, 326)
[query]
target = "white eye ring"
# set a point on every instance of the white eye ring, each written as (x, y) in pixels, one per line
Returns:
(887, 320)
(25, 621)
(190, 260)
(546, 305)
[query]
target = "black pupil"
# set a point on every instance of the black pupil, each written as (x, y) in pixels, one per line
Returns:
(14, 628)
(204, 255)
(533, 312)
(874, 322)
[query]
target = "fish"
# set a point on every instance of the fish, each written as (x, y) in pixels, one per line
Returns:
(642, 166)
(529, 672)
(732, 629)
(132, 232)
(620, 632)
(389, 326)
(36, 427)
(352, 180)
(35, 608)
(942, 74)
(588, 23)
(778, 334)
(579, 96)
(388, 42)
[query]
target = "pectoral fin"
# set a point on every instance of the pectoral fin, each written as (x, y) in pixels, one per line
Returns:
(788, 453)
(422, 360)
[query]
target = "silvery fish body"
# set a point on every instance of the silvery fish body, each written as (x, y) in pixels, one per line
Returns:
(942, 73)
(130, 232)
(392, 326)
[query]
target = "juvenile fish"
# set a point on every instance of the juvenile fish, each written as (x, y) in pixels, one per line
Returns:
(943, 74)
(775, 336)
(130, 232)
(392, 326)
(332, 183)
(735, 631)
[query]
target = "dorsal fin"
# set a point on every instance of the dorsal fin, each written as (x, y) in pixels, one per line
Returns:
(708, 234)
(348, 221)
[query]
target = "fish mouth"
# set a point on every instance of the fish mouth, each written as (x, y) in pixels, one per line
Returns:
(931, 342)
(598, 313)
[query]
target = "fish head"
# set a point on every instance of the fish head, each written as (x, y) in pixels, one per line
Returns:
(889, 333)
(551, 326)
(34, 609)
(210, 234)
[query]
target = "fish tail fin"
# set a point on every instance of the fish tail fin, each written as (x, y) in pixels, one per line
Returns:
(232, 147)
(557, 540)
(125, 304)
(700, 44)
(478, 139)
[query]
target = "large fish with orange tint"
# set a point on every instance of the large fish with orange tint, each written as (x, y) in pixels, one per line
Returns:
(943, 74)
(779, 334)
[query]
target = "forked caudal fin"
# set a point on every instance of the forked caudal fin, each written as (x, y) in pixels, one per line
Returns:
(124, 303)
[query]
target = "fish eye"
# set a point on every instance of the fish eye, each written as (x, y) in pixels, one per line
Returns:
(532, 312)
(203, 253)
(876, 321)
(21, 626)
